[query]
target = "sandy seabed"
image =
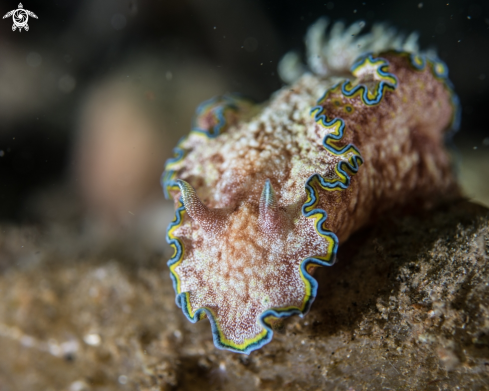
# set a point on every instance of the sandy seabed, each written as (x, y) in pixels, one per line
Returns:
(405, 308)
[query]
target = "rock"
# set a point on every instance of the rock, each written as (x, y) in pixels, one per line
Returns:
(405, 307)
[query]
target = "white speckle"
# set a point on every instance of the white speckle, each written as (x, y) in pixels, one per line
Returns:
(169, 75)
(122, 379)
(54, 348)
(28, 341)
(69, 347)
(177, 334)
(100, 273)
(426, 338)
(92, 339)
(78, 385)
(420, 5)
(2, 153)
(253, 127)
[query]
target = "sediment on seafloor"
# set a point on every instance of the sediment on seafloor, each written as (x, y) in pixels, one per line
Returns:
(405, 307)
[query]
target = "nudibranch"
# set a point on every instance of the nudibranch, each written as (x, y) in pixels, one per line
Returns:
(264, 194)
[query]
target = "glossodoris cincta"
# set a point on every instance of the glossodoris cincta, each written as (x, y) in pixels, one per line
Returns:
(264, 194)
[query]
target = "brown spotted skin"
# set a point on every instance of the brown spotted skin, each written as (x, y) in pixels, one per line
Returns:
(401, 141)
(247, 263)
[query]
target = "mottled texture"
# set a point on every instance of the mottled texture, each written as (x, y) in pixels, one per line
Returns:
(401, 142)
(404, 308)
(391, 116)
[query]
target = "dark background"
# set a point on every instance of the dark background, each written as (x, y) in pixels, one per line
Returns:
(81, 42)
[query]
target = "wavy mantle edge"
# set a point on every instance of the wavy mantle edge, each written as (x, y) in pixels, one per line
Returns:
(344, 169)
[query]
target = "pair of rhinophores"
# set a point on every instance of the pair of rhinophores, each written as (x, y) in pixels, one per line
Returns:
(265, 193)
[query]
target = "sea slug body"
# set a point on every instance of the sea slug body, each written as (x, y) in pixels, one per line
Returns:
(264, 194)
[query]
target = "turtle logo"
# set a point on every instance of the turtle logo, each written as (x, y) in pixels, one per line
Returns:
(20, 16)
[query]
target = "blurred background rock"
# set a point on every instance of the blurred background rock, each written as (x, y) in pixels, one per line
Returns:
(94, 97)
